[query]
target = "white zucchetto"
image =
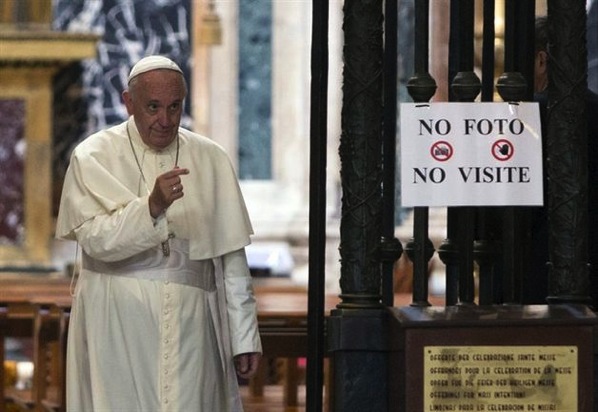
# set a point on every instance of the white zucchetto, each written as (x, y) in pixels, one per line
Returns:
(150, 63)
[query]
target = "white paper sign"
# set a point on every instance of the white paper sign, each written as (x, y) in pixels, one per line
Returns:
(471, 154)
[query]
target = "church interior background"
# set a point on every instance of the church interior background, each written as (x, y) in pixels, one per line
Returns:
(248, 65)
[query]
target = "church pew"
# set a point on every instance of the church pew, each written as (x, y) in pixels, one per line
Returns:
(25, 313)
(48, 326)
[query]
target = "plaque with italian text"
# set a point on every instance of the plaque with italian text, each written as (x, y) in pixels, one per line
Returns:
(500, 378)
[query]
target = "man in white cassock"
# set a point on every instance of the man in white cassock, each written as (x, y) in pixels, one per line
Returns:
(163, 316)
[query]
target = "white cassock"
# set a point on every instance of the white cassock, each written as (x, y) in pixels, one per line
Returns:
(150, 332)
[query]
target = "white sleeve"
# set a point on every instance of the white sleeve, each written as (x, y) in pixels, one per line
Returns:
(123, 233)
(240, 303)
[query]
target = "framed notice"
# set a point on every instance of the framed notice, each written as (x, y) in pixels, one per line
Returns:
(471, 154)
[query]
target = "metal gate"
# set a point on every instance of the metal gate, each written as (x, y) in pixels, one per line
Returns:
(496, 239)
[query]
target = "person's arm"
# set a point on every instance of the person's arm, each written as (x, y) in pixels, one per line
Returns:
(242, 313)
(123, 233)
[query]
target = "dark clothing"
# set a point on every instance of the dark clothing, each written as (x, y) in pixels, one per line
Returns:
(535, 286)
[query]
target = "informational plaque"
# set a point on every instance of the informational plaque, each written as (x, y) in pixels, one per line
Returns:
(500, 378)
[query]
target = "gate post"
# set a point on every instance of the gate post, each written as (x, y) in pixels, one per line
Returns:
(569, 280)
(356, 328)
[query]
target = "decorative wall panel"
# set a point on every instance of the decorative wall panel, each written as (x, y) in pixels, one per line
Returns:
(89, 94)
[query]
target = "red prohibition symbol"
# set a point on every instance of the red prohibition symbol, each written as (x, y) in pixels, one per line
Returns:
(502, 150)
(441, 151)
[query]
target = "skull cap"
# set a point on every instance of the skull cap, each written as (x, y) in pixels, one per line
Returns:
(150, 63)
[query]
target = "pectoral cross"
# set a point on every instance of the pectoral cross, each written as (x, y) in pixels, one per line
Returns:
(166, 245)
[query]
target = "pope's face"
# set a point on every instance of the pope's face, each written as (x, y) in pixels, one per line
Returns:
(155, 99)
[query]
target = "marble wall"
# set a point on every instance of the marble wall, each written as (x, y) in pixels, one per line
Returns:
(12, 159)
(255, 89)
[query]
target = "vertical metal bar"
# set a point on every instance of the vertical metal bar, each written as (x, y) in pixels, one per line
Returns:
(421, 214)
(516, 84)
(508, 281)
(466, 272)
(526, 12)
(449, 254)
(449, 249)
(421, 87)
(317, 206)
(422, 36)
(524, 65)
(466, 14)
(453, 57)
(488, 37)
(422, 255)
(484, 246)
(511, 215)
(391, 247)
(510, 37)
(457, 250)
(467, 214)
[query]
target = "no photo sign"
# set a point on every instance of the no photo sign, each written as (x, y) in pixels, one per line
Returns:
(471, 154)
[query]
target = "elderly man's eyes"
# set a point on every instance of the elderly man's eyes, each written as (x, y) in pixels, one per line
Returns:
(172, 108)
